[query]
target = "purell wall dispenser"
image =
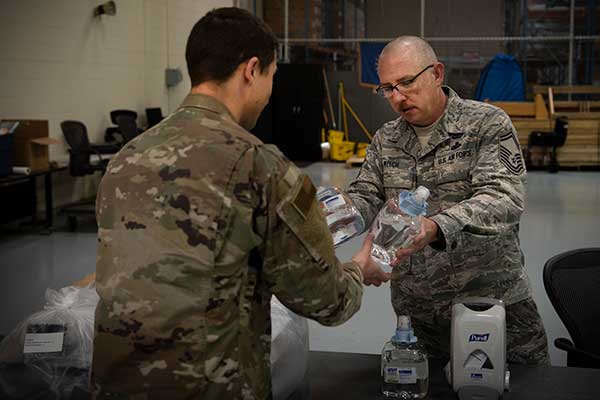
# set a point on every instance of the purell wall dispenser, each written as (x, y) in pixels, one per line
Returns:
(478, 349)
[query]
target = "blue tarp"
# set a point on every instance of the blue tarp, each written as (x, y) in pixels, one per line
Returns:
(369, 53)
(501, 80)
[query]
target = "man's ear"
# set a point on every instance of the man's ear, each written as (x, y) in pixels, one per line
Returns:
(438, 71)
(252, 68)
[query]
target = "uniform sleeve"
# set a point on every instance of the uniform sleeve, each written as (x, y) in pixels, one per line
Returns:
(366, 191)
(300, 265)
(498, 183)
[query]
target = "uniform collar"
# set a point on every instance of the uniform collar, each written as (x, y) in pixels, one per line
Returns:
(448, 125)
(209, 103)
(198, 100)
(451, 123)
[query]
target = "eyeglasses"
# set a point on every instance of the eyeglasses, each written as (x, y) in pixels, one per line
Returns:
(401, 87)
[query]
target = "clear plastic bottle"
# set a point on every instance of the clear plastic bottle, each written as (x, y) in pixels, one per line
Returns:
(404, 364)
(343, 218)
(397, 223)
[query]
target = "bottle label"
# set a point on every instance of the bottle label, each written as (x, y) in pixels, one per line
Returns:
(343, 234)
(326, 192)
(400, 375)
(333, 202)
(43, 342)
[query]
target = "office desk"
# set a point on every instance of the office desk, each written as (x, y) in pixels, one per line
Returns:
(31, 181)
(356, 376)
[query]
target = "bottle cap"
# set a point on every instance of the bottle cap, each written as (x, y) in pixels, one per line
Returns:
(404, 331)
(421, 194)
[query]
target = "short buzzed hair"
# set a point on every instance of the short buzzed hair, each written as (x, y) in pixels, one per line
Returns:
(223, 39)
(420, 49)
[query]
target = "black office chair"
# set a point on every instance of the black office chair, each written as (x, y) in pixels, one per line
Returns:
(127, 127)
(80, 164)
(549, 140)
(572, 282)
(153, 116)
(113, 133)
(75, 134)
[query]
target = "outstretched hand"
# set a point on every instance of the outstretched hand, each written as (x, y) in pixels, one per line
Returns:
(372, 273)
(427, 235)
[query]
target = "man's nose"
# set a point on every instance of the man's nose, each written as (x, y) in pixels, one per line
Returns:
(398, 97)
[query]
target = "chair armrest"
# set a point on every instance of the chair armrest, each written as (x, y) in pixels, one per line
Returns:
(96, 152)
(563, 344)
(568, 346)
(107, 148)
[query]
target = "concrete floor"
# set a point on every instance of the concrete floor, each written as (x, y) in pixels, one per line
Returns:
(563, 212)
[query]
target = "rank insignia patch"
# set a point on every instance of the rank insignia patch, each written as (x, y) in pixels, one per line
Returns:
(510, 154)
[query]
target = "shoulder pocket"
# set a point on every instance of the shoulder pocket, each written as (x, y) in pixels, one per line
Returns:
(302, 214)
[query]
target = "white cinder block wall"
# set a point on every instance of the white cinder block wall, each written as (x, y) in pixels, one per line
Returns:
(59, 62)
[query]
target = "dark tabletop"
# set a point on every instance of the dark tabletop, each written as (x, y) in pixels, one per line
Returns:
(356, 376)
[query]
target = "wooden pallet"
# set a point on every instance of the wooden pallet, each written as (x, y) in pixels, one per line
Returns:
(529, 109)
(581, 148)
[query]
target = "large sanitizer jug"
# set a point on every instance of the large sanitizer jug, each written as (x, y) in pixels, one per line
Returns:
(404, 364)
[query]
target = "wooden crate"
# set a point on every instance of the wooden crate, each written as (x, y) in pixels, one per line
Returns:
(581, 147)
(525, 126)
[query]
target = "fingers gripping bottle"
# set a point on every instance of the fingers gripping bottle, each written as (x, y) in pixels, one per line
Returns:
(404, 364)
(343, 218)
(397, 223)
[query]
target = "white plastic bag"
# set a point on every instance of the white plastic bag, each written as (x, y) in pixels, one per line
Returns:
(69, 312)
(54, 345)
(289, 350)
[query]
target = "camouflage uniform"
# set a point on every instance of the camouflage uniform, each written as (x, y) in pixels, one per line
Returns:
(199, 224)
(473, 168)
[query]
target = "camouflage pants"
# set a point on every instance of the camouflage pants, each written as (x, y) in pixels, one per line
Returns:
(526, 337)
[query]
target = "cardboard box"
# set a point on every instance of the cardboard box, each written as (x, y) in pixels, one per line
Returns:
(30, 146)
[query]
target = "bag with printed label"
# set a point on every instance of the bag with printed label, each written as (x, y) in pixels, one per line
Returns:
(343, 218)
(53, 347)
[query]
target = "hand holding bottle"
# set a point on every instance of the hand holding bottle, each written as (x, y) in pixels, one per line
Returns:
(372, 273)
(397, 225)
(428, 234)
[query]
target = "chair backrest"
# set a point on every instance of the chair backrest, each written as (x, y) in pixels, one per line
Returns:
(116, 113)
(75, 134)
(572, 282)
(153, 116)
(127, 127)
(561, 128)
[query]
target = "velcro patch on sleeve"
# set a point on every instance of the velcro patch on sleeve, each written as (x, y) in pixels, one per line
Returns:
(305, 197)
(510, 154)
(291, 176)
